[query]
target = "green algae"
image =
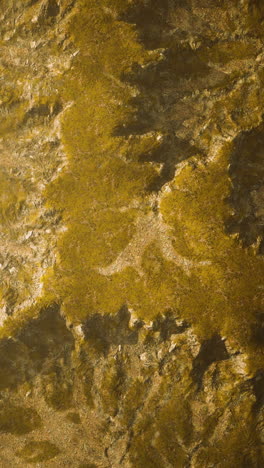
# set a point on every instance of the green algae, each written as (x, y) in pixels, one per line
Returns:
(74, 418)
(241, 446)
(113, 378)
(156, 442)
(224, 52)
(58, 390)
(18, 420)
(231, 284)
(103, 192)
(134, 399)
(38, 451)
(100, 183)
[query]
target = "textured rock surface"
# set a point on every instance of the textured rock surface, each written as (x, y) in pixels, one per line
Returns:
(132, 241)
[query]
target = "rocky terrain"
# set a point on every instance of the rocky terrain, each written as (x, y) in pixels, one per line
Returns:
(132, 233)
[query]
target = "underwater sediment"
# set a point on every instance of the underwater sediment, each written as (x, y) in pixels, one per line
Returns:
(132, 233)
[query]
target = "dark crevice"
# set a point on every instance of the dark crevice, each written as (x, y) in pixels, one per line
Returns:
(36, 348)
(256, 9)
(212, 350)
(168, 326)
(258, 389)
(68, 9)
(46, 335)
(151, 18)
(171, 152)
(247, 196)
(105, 330)
(257, 330)
(43, 111)
(49, 12)
(33, 2)
(53, 9)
